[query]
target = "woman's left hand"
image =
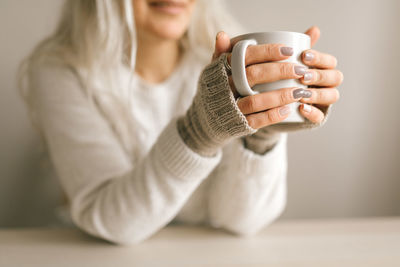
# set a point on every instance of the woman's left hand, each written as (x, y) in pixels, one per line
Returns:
(323, 78)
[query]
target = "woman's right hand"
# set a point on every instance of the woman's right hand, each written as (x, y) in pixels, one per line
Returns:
(268, 107)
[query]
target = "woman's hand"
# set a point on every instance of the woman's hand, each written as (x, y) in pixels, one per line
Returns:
(322, 80)
(270, 107)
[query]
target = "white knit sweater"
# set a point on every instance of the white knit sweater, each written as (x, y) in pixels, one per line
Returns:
(115, 199)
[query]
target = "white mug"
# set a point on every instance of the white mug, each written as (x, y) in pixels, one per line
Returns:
(298, 41)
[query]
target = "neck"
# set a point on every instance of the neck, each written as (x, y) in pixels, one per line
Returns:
(156, 59)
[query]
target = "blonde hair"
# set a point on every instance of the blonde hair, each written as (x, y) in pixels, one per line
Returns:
(96, 37)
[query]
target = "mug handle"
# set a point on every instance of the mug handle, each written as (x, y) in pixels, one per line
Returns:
(239, 69)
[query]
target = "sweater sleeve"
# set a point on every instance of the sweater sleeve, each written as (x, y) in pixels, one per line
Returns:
(248, 190)
(109, 197)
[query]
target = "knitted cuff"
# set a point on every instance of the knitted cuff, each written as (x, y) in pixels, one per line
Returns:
(214, 118)
(262, 141)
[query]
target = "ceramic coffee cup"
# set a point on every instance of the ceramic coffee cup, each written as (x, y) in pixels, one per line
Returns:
(298, 41)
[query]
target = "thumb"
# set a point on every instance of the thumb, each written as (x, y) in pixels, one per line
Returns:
(314, 33)
(222, 44)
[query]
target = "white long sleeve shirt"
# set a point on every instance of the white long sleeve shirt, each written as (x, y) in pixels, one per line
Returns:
(127, 201)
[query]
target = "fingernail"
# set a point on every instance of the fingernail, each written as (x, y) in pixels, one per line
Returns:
(308, 76)
(300, 70)
(307, 108)
(308, 56)
(298, 93)
(301, 93)
(284, 110)
(286, 51)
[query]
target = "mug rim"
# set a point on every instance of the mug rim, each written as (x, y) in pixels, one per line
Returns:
(244, 36)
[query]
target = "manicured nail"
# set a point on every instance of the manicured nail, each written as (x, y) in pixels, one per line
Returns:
(307, 108)
(298, 93)
(300, 70)
(284, 110)
(301, 93)
(308, 56)
(286, 51)
(308, 76)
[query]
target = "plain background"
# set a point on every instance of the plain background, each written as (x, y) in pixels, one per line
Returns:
(349, 168)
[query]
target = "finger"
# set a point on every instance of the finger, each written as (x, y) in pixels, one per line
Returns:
(311, 113)
(222, 44)
(265, 118)
(270, 72)
(325, 78)
(322, 96)
(319, 60)
(314, 34)
(267, 52)
(272, 99)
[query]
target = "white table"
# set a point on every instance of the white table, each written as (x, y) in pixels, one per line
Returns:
(352, 242)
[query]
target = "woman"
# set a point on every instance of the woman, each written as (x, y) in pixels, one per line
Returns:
(143, 132)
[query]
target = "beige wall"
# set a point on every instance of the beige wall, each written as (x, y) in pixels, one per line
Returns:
(350, 167)
(22, 24)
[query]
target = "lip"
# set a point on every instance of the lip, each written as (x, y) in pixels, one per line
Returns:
(168, 7)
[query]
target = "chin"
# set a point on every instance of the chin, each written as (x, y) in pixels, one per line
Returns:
(169, 30)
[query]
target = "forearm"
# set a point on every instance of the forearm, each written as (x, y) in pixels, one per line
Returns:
(246, 196)
(130, 208)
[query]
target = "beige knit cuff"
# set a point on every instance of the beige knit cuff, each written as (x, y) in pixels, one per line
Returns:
(214, 118)
(262, 141)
